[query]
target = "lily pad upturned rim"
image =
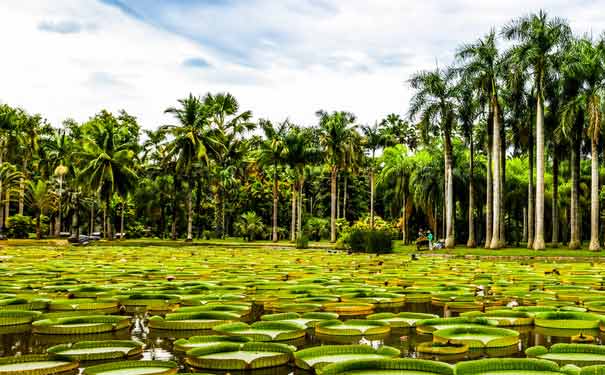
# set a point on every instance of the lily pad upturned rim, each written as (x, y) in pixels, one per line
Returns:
(170, 367)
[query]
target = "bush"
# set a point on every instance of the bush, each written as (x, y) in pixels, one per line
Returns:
(302, 242)
(317, 228)
(250, 226)
(375, 241)
(135, 230)
(20, 226)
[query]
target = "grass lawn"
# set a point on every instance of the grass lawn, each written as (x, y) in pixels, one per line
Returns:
(460, 250)
(509, 252)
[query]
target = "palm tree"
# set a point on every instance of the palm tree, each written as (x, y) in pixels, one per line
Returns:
(399, 131)
(40, 198)
(190, 145)
(374, 138)
(540, 39)
(335, 130)
(272, 153)
(571, 126)
(9, 181)
(398, 166)
(300, 152)
(434, 104)
(586, 61)
(57, 150)
(228, 127)
(481, 66)
(468, 111)
(107, 162)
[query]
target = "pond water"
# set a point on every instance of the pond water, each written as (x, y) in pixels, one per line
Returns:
(159, 343)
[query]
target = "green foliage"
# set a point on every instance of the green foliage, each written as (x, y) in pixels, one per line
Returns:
(250, 226)
(377, 241)
(20, 226)
(317, 228)
(302, 242)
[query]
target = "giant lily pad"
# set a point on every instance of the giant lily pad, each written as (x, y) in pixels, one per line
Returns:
(133, 368)
(320, 356)
(403, 319)
(81, 325)
(477, 337)
(263, 331)
(577, 354)
(231, 356)
(192, 320)
(352, 327)
(97, 350)
(34, 364)
(404, 366)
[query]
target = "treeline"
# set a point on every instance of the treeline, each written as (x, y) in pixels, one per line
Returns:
(500, 148)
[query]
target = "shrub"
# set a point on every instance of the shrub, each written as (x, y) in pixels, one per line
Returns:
(135, 230)
(302, 242)
(378, 241)
(250, 226)
(20, 226)
(317, 228)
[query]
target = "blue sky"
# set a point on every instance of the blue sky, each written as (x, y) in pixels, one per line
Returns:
(281, 58)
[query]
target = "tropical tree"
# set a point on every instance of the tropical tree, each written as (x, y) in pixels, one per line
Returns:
(190, 145)
(397, 166)
(374, 138)
(228, 127)
(107, 159)
(540, 40)
(586, 62)
(335, 130)
(480, 68)
(40, 198)
(434, 105)
(468, 112)
(272, 153)
(10, 178)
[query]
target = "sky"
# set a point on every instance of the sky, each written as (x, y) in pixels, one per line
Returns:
(280, 58)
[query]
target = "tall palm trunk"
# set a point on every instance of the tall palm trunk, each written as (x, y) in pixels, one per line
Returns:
(372, 198)
(344, 197)
(38, 226)
(293, 221)
(299, 211)
(502, 180)
(108, 216)
(7, 204)
(496, 242)
(22, 188)
(403, 217)
(574, 236)
(555, 198)
(75, 219)
(91, 226)
(333, 176)
(1, 207)
(530, 191)
(450, 241)
(594, 195)
(189, 211)
(489, 189)
(471, 196)
(524, 238)
(338, 197)
(105, 222)
(539, 235)
(275, 201)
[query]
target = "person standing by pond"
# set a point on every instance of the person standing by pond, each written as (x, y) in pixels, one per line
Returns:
(429, 236)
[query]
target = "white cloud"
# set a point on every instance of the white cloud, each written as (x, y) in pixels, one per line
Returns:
(65, 58)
